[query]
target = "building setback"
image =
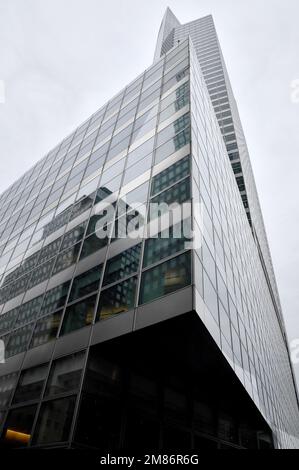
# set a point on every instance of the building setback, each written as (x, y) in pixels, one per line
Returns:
(145, 339)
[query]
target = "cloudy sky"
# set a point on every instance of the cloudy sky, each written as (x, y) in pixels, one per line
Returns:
(60, 60)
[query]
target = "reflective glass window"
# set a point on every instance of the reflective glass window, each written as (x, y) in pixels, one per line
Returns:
(165, 278)
(178, 193)
(78, 315)
(46, 329)
(73, 236)
(137, 169)
(173, 145)
(117, 299)
(85, 283)
(30, 384)
(93, 243)
(140, 152)
(7, 385)
(167, 243)
(210, 297)
(65, 374)
(18, 340)
(29, 311)
(67, 258)
(175, 127)
(122, 265)
(41, 273)
(171, 175)
(7, 320)
(18, 426)
(54, 421)
(55, 298)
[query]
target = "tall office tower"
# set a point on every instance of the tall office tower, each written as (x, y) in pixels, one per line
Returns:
(136, 309)
(209, 54)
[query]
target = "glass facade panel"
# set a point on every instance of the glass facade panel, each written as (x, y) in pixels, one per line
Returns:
(30, 384)
(18, 426)
(117, 299)
(57, 271)
(54, 421)
(78, 315)
(65, 375)
(165, 278)
(55, 298)
(29, 311)
(92, 244)
(171, 175)
(18, 340)
(85, 283)
(173, 145)
(167, 243)
(7, 386)
(178, 193)
(122, 265)
(46, 329)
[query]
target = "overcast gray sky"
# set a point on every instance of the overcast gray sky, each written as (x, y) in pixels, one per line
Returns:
(62, 59)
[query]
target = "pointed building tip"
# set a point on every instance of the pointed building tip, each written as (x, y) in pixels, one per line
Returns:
(169, 12)
(169, 9)
(169, 22)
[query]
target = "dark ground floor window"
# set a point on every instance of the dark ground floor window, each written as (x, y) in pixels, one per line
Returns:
(18, 426)
(141, 392)
(54, 421)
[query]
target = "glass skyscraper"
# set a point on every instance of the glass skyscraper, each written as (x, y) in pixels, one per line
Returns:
(124, 327)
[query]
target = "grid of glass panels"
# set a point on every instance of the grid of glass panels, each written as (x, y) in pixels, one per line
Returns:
(131, 134)
(230, 279)
(58, 276)
(208, 51)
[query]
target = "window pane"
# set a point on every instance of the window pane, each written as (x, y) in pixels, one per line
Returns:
(166, 278)
(7, 320)
(55, 298)
(65, 374)
(49, 250)
(171, 175)
(67, 258)
(117, 299)
(140, 152)
(137, 196)
(78, 315)
(178, 193)
(122, 265)
(106, 213)
(138, 169)
(18, 340)
(167, 243)
(170, 131)
(17, 429)
(174, 107)
(30, 384)
(54, 421)
(29, 311)
(73, 236)
(173, 145)
(41, 273)
(86, 283)
(7, 385)
(210, 297)
(46, 329)
(93, 244)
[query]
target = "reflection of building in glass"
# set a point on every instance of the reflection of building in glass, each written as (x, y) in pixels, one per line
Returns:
(114, 342)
